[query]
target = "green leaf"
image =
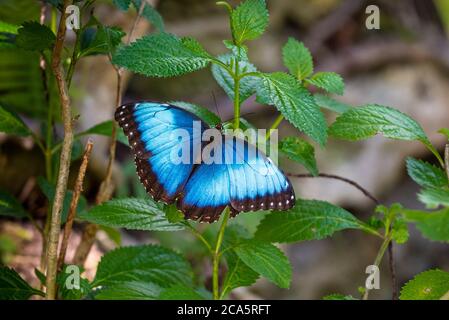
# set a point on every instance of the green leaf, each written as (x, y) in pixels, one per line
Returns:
(433, 225)
(338, 296)
(426, 174)
(105, 129)
(13, 287)
(267, 260)
(444, 131)
(366, 121)
(162, 55)
(35, 36)
(122, 4)
(249, 20)
(10, 206)
(180, 292)
(173, 214)
(203, 113)
(150, 14)
(131, 290)
(300, 151)
(131, 213)
(329, 81)
(71, 293)
(247, 85)
(238, 274)
(434, 197)
(307, 220)
(147, 263)
(113, 234)
(399, 232)
(10, 123)
(428, 285)
(295, 103)
(297, 59)
(331, 104)
(49, 191)
(8, 28)
(99, 39)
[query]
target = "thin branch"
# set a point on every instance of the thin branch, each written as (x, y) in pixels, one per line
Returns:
(446, 159)
(394, 287)
(64, 163)
(335, 177)
(74, 203)
(106, 187)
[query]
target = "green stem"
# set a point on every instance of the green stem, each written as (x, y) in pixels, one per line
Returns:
(275, 124)
(435, 153)
(236, 96)
(216, 257)
(199, 236)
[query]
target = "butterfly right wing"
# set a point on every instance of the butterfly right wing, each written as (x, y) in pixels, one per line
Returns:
(151, 131)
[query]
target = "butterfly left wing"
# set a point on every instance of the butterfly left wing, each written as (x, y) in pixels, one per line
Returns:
(245, 180)
(151, 129)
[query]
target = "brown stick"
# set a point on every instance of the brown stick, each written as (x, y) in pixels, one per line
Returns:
(64, 163)
(333, 176)
(394, 291)
(107, 187)
(74, 203)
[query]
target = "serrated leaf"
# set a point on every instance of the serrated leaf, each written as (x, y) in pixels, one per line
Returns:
(148, 263)
(247, 85)
(13, 287)
(105, 129)
(331, 104)
(99, 40)
(162, 55)
(300, 151)
(297, 59)
(433, 225)
(173, 214)
(35, 36)
(131, 213)
(399, 232)
(329, 81)
(151, 14)
(295, 103)
(131, 290)
(8, 28)
(366, 121)
(434, 197)
(267, 260)
(180, 292)
(249, 20)
(428, 285)
(203, 113)
(122, 4)
(307, 220)
(338, 296)
(10, 123)
(10, 206)
(426, 174)
(49, 191)
(240, 51)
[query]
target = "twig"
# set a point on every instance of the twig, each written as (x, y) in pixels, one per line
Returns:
(333, 176)
(394, 287)
(106, 187)
(64, 164)
(74, 203)
(446, 159)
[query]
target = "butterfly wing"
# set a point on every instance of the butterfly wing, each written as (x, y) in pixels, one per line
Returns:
(150, 129)
(249, 182)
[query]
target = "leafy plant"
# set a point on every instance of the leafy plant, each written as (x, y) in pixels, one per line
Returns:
(239, 253)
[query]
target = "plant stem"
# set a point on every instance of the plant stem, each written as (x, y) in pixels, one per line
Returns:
(275, 124)
(236, 96)
(64, 164)
(216, 257)
(199, 236)
(435, 153)
(378, 260)
(74, 203)
(446, 159)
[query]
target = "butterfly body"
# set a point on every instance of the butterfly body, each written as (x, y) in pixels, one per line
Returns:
(234, 174)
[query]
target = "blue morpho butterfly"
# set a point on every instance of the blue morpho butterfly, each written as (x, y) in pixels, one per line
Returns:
(201, 189)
